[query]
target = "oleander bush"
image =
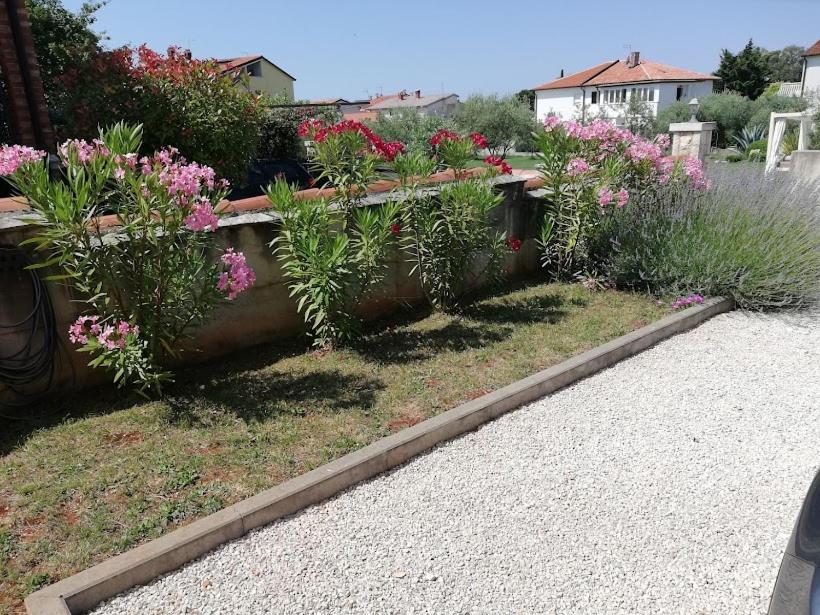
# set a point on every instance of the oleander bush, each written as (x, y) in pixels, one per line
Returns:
(750, 236)
(147, 284)
(178, 100)
(588, 172)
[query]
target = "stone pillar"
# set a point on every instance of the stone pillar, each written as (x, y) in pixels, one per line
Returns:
(28, 112)
(692, 139)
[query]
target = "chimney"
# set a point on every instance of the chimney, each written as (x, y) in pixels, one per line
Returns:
(634, 59)
(418, 93)
(403, 94)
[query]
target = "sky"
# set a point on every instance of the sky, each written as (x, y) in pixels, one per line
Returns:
(358, 48)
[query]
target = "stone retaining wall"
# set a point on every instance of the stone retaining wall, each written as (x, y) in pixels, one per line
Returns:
(265, 312)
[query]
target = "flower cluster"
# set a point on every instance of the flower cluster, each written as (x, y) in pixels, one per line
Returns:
(686, 301)
(83, 151)
(319, 132)
(443, 135)
(13, 156)
(514, 243)
(479, 140)
(693, 169)
(202, 217)
(239, 276)
(111, 336)
(577, 166)
(499, 163)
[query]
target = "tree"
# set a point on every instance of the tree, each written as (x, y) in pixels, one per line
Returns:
(745, 73)
(505, 122)
(62, 40)
(638, 118)
(785, 64)
(412, 128)
(527, 96)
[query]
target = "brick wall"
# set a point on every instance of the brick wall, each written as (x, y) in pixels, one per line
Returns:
(28, 112)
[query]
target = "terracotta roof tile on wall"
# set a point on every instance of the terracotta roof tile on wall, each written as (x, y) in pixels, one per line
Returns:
(814, 50)
(619, 72)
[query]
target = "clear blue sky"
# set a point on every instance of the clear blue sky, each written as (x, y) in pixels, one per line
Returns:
(354, 48)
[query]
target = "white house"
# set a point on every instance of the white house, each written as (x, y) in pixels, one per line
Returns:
(811, 70)
(604, 90)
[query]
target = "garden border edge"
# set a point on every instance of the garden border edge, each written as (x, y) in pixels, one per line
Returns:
(140, 565)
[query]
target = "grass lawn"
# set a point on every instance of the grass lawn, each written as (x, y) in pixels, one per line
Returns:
(104, 471)
(516, 162)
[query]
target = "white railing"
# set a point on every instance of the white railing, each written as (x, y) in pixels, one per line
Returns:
(789, 89)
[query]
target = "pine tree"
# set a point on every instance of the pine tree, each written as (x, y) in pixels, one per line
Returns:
(745, 73)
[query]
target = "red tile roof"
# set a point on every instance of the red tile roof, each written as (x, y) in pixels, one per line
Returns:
(619, 72)
(577, 79)
(814, 50)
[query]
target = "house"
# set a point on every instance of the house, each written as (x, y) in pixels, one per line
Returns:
(342, 104)
(443, 105)
(605, 90)
(262, 75)
(811, 70)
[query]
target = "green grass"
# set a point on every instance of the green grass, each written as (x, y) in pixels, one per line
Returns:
(102, 472)
(516, 162)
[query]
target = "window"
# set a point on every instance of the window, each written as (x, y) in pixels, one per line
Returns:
(682, 93)
(255, 69)
(593, 98)
(651, 94)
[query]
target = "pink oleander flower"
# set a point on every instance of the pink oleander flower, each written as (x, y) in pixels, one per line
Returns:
(623, 198)
(551, 122)
(79, 331)
(605, 196)
(693, 169)
(116, 336)
(577, 166)
(239, 276)
(12, 157)
(663, 141)
(202, 217)
(84, 151)
(119, 173)
(573, 129)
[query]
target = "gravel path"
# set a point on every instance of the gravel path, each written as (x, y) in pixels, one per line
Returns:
(666, 484)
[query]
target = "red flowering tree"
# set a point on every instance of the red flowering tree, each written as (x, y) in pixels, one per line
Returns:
(177, 99)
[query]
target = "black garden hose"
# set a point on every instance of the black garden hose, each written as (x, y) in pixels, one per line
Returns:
(33, 361)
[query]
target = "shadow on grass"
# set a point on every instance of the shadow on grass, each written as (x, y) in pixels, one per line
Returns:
(264, 395)
(407, 345)
(546, 308)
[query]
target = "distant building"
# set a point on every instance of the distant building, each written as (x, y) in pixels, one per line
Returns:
(342, 104)
(263, 75)
(606, 89)
(443, 105)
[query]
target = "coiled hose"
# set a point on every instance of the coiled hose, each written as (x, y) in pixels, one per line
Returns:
(33, 361)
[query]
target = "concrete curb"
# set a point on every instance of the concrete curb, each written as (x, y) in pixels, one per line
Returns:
(140, 565)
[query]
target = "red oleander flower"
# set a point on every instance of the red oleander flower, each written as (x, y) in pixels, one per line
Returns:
(442, 134)
(479, 140)
(395, 228)
(513, 243)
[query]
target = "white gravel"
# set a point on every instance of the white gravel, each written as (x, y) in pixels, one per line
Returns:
(666, 484)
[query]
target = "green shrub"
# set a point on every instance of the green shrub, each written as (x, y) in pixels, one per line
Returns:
(764, 106)
(278, 139)
(411, 128)
(753, 237)
(731, 112)
(676, 112)
(177, 100)
(505, 122)
(735, 158)
(757, 150)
